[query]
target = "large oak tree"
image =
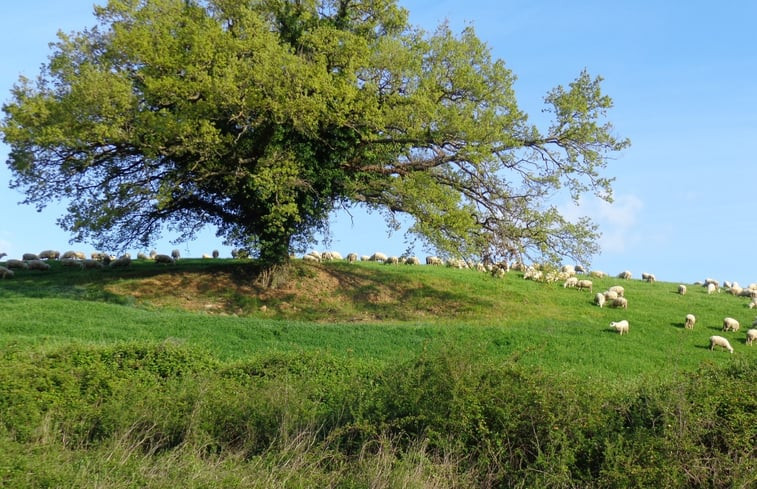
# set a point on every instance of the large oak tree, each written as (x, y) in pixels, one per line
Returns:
(259, 117)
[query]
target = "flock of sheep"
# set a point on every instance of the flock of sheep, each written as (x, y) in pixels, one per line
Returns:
(78, 259)
(613, 297)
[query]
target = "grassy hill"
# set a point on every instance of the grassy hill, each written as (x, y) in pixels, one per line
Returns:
(366, 375)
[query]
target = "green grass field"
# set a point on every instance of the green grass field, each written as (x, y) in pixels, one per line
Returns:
(366, 375)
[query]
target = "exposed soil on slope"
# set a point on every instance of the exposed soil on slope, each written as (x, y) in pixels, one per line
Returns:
(313, 292)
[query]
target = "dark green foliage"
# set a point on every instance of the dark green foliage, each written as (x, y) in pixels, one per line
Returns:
(504, 424)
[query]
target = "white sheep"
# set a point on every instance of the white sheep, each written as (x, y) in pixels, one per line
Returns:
(378, 256)
(570, 282)
(611, 295)
(730, 324)
(751, 335)
(175, 254)
(620, 302)
(620, 326)
(206, 256)
(412, 260)
(392, 260)
(311, 258)
(682, 289)
(711, 288)
(599, 299)
(142, 256)
(625, 275)
(92, 264)
(618, 289)
(73, 255)
(121, 262)
(720, 341)
(49, 255)
(29, 257)
(38, 265)
(753, 303)
(352, 257)
(570, 270)
(597, 274)
(6, 272)
(433, 260)
(690, 321)
(165, 259)
(13, 263)
(71, 262)
(584, 284)
(648, 277)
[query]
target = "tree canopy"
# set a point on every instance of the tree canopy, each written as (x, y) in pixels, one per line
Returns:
(260, 117)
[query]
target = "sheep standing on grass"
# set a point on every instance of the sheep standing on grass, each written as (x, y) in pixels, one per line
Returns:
(720, 341)
(29, 256)
(175, 254)
(570, 283)
(751, 335)
(6, 273)
(730, 324)
(92, 264)
(12, 263)
(618, 289)
(682, 289)
(620, 302)
(690, 321)
(711, 288)
(38, 265)
(49, 255)
(648, 277)
(584, 284)
(599, 299)
(625, 275)
(122, 262)
(165, 259)
(620, 326)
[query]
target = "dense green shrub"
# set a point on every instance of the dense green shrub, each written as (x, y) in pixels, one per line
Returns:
(450, 417)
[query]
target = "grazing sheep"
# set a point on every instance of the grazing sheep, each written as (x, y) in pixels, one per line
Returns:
(331, 255)
(648, 277)
(88, 264)
(153, 253)
(6, 273)
(711, 288)
(73, 255)
(618, 289)
(122, 262)
(620, 326)
(625, 275)
(730, 324)
(29, 257)
(165, 259)
(611, 295)
(38, 265)
(751, 335)
(392, 260)
(682, 289)
(570, 282)
(579, 269)
(412, 260)
(620, 302)
(311, 258)
(49, 255)
(584, 284)
(175, 254)
(352, 257)
(71, 262)
(720, 341)
(570, 270)
(597, 274)
(690, 321)
(753, 303)
(433, 260)
(378, 256)
(12, 263)
(599, 299)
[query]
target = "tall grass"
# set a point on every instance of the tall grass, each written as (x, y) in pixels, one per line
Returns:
(456, 379)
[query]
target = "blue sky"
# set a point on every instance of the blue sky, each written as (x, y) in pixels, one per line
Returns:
(683, 76)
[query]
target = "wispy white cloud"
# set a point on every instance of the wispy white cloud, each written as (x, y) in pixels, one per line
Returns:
(617, 221)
